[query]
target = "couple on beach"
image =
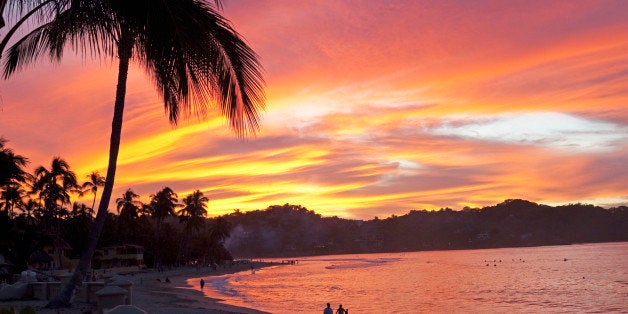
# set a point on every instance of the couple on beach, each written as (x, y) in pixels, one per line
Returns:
(340, 310)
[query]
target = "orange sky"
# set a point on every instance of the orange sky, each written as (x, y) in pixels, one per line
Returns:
(373, 108)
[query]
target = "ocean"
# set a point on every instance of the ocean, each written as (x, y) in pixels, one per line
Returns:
(570, 278)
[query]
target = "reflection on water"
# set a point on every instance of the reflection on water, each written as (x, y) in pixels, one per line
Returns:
(578, 278)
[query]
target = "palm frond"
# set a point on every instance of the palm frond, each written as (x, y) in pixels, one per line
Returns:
(195, 69)
(86, 26)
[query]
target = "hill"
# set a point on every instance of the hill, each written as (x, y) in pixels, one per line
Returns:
(293, 230)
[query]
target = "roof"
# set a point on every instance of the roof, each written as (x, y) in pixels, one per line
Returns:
(121, 246)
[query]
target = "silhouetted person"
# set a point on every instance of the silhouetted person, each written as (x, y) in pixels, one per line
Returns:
(202, 283)
(340, 310)
(328, 309)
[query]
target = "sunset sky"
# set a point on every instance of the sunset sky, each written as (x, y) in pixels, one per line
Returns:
(373, 108)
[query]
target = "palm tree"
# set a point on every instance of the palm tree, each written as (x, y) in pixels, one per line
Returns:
(12, 174)
(95, 180)
(80, 211)
(195, 207)
(128, 205)
(54, 185)
(128, 208)
(193, 55)
(163, 204)
(28, 208)
(12, 195)
(25, 10)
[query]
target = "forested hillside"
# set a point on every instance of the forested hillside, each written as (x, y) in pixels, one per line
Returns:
(292, 230)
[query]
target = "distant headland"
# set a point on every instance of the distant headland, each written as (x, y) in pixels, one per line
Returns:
(292, 230)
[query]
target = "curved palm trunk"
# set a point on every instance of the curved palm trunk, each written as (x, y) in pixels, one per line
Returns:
(125, 51)
(94, 202)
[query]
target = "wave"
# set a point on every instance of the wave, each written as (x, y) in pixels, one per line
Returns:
(221, 284)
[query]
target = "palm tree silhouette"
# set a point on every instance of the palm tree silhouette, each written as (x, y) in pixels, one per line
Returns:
(193, 55)
(128, 205)
(95, 180)
(25, 10)
(28, 209)
(13, 196)
(192, 212)
(12, 175)
(195, 208)
(163, 204)
(54, 185)
(80, 211)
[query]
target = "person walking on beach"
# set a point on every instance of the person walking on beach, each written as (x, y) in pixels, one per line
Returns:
(202, 283)
(328, 309)
(340, 310)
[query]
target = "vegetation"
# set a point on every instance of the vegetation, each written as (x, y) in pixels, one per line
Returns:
(172, 233)
(36, 209)
(292, 230)
(191, 70)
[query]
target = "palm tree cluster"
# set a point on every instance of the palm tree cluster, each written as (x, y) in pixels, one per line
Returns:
(37, 208)
(191, 52)
(43, 194)
(172, 233)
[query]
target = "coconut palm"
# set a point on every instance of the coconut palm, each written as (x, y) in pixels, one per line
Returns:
(195, 207)
(128, 205)
(12, 174)
(80, 210)
(13, 197)
(54, 185)
(25, 10)
(127, 223)
(192, 212)
(163, 204)
(95, 180)
(193, 55)
(28, 209)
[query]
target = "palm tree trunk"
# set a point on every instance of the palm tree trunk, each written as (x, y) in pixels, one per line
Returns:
(125, 51)
(94, 202)
(6, 202)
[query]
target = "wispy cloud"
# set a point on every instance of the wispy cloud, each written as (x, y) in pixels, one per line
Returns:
(548, 129)
(374, 108)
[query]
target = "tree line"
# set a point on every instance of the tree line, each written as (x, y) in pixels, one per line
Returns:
(293, 230)
(36, 210)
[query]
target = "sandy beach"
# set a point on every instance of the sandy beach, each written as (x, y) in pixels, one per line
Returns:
(152, 294)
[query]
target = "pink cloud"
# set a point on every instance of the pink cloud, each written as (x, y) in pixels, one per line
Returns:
(354, 90)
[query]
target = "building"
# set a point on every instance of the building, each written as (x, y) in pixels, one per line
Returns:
(119, 256)
(53, 255)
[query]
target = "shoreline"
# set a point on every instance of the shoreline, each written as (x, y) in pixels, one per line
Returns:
(180, 297)
(151, 293)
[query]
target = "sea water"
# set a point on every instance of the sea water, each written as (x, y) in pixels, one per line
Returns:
(571, 278)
